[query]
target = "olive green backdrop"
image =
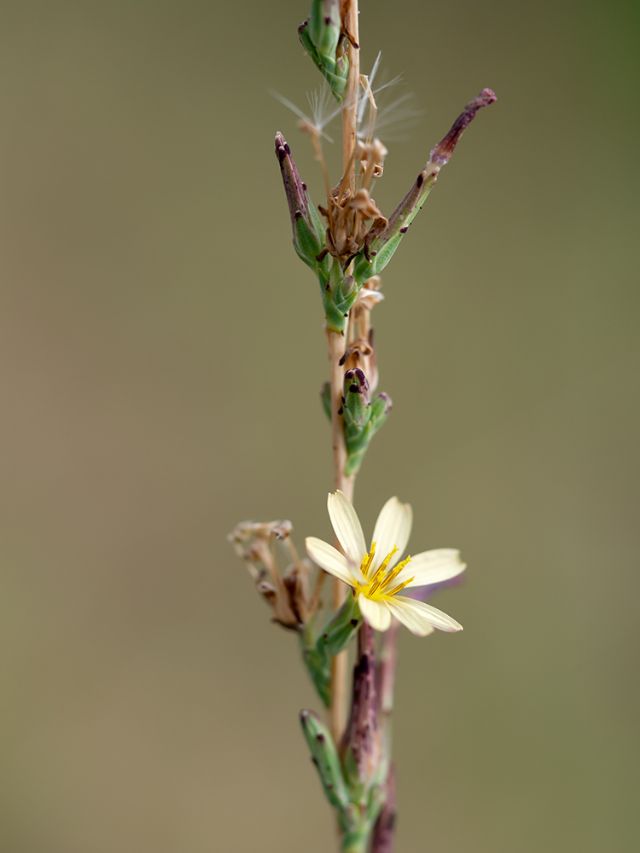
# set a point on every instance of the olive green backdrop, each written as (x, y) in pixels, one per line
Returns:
(161, 352)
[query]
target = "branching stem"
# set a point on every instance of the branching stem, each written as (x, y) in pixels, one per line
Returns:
(336, 345)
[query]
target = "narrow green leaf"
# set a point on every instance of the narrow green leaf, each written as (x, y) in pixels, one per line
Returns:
(325, 757)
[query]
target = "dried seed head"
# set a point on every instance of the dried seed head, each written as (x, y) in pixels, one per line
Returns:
(350, 217)
(360, 354)
(371, 156)
(355, 355)
(286, 594)
(296, 582)
(248, 532)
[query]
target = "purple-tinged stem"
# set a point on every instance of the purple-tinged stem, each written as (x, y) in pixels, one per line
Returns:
(439, 157)
(383, 837)
(383, 241)
(444, 149)
(384, 830)
(361, 737)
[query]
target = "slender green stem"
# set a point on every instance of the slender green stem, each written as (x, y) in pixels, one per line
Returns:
(355, 843)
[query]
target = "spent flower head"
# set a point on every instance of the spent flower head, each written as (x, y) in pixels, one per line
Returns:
(286, 592)
(378, 574)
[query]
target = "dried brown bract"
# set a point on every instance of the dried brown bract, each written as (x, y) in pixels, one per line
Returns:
(350, 217)
(286, 592)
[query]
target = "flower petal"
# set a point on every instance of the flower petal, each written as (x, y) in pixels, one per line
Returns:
(435, 566)
(375, 613)
(346, 525)
(329, 559)
(421, 618)
(392, 531)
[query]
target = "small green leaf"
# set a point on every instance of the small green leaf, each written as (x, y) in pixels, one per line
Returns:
(335, 636)
(318, 665)
(325, 757)
(340, 629)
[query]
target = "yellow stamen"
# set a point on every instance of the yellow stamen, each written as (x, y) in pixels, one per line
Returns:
(400, 586)
(378, 587)
(365, 565)
(395, 572)
(378, 578)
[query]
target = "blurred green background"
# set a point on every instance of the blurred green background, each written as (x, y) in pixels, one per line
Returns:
(161, 352)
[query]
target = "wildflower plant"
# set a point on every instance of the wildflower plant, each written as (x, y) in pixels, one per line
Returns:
(347, 241)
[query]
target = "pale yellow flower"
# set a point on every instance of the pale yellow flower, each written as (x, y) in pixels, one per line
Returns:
(377, 575)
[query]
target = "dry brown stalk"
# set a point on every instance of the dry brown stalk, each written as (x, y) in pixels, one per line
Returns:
(336, 347)
(350, 111)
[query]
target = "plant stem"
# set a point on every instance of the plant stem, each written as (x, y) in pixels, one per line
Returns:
(357, 844)
(336, 345)
(384, 830)
(350, 109)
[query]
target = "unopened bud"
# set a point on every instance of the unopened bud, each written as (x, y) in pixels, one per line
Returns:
(320, 36)
(324, 26)
(382, 241)
(356, 400)
(362, 418)
(307, 226)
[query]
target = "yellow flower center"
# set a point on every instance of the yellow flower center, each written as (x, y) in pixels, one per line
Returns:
(379, 585)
